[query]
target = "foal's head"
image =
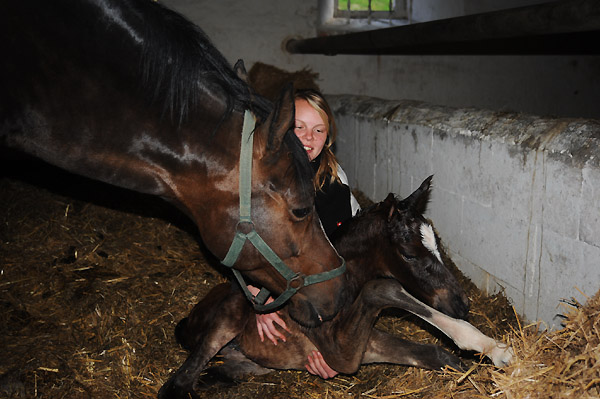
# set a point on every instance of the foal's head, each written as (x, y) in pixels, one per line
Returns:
(414, 256)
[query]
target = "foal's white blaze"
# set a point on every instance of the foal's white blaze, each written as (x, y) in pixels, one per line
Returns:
(428, 239)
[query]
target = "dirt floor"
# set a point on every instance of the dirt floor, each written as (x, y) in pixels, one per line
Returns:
(94, 279)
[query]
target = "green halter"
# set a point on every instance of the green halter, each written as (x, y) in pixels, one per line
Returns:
(245, 231)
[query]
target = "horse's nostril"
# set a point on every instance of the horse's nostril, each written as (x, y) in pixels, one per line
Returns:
(463, 311)
(456, 307)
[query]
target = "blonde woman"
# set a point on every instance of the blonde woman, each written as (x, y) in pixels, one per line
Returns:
(316, 129)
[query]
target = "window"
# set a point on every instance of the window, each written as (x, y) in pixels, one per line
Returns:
(344, 16)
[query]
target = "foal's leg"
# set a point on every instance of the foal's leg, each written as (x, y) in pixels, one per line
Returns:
(213, 322)
(347, 339)
(388, 348)
(464, 335)
(351, 340)
(235, 365)
(343, 340)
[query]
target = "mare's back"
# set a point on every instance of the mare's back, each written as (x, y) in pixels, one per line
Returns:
(53, 46)
(72, 57)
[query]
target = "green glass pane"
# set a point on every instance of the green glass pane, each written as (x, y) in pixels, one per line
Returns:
(380, 5)
(363, 5)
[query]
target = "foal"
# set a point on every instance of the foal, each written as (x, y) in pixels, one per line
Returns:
(390, 250)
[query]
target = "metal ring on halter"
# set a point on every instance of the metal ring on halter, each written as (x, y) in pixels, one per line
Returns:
(296, 282)
(239, 225)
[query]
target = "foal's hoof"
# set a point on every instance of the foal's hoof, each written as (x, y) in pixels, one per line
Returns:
(213, 378)
(454, 362)
(173, 391)
(443, 359)
(180, 334)
(502, 355)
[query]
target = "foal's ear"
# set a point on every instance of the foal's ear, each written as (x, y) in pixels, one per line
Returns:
(390, 204)
(418, 200)
(281, 119)
(240, 70)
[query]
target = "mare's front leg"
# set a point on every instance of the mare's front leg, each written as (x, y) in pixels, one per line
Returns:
(213, 322)
(464, 335)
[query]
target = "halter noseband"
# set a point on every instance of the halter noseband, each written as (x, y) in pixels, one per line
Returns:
(245, 231)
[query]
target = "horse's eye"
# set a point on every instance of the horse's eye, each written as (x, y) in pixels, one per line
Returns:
(301, 213)
(407, 256)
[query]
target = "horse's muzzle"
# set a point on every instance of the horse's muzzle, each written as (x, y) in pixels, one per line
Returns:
(453, 304)
(315, 304)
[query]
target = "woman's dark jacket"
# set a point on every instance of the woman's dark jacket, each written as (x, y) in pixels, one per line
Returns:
(332, 202)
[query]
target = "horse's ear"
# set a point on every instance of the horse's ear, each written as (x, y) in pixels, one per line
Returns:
(418, 200)
(240, 70)
(281, 119)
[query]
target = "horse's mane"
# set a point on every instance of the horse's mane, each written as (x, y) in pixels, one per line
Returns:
(178, 62)
(179, 65)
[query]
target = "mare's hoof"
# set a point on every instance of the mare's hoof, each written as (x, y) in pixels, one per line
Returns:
(502, 355)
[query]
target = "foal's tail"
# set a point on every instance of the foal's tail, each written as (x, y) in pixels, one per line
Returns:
(181, 334)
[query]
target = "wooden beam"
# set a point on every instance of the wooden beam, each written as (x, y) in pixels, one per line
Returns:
(560, 27)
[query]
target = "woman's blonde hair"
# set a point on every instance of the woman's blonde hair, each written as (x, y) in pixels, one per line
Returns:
(329, 164)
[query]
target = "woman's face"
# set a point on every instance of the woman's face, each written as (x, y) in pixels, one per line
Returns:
(310, 128)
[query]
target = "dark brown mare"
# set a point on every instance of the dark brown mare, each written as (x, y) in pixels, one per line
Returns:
(130, 93)
(392, 257)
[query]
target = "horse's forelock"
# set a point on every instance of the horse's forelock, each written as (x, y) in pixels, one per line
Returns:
(301, 163)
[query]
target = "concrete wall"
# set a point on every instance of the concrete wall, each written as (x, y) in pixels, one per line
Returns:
(516, 198)
(255, 30)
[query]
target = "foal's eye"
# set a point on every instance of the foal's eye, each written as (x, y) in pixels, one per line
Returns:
(407, 256)
(301, 213)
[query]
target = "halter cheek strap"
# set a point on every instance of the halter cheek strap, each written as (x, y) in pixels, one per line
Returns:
(245, 231)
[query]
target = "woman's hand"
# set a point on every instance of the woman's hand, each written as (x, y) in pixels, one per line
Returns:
(317, 366)
(266, 326)
(265, 323)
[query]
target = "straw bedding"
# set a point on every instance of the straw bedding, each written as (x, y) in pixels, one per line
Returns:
(93, 280)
